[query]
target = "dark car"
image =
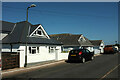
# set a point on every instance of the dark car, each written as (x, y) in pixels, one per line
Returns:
(80, 55)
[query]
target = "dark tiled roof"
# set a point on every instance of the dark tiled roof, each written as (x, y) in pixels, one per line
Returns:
(20, 32)
(96, 42)
(86, 43)
(33, 27)
(71, 40)
(6, 26)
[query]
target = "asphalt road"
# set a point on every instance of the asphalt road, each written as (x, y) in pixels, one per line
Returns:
(104, 66)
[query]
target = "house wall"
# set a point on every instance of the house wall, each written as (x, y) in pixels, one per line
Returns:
(43, 55)
(15, 48)
(63, 56)
(102, 47)
(96, 51)
(22, 55)
(99, 49)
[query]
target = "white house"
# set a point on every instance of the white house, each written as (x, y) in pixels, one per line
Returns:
(98, 46)
(73, 41)
(31, 41)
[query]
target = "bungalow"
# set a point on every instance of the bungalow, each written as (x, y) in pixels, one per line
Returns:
(98, 46)
(72, 41)
(31, 41)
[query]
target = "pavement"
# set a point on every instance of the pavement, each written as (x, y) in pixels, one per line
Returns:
(9, 72)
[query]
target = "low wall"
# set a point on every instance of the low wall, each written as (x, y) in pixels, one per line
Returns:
(62, 56)
(96, 51)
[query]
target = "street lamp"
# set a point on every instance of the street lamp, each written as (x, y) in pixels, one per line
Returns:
(25, 65)
(32, 5)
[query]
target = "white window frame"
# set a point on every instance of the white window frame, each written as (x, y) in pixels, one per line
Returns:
(31, 48)
(52, 49)
(36, 33)
(43, 31)
(82, 39)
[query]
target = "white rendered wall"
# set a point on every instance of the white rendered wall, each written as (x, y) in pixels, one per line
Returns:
(63, 56)
(22, 55)
(96, 51)
(102, 48)
(43, 54)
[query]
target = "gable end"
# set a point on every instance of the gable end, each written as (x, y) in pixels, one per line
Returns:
(39, 32)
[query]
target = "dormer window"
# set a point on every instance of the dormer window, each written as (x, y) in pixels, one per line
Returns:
(81, 39)
(39, 32)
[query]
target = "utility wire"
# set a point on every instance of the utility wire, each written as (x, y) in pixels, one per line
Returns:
(60, 13)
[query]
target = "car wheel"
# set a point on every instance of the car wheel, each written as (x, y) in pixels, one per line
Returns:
(83, 60)
(92, 57)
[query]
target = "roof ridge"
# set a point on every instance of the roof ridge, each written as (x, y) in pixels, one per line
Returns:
(7, 21)
(64, 34)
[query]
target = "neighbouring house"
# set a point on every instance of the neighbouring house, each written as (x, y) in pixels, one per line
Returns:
(98, 46)
(31, 42)
(73, 41)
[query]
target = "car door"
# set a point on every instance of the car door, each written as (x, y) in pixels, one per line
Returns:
(84, 53)
(88, 54)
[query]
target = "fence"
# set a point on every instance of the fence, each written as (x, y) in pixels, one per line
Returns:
(10, 60)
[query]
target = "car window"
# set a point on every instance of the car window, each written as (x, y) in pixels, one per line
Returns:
(74, 51)
(83, 51)
(87, 51)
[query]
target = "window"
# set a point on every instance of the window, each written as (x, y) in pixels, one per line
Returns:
(81, 39)
(101, 46)
(52, 49)
(37, 49)
(33, 50)
(87, 51)
(83, 51)
(30, 49)
(38, 32)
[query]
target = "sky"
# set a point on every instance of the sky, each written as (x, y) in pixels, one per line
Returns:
(95, 20)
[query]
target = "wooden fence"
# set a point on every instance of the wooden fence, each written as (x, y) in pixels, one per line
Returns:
(10, 60)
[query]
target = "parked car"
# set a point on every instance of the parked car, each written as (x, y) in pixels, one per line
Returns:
(110, 49)
(80, 55)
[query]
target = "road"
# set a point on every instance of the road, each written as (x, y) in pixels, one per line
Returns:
(104, 66)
